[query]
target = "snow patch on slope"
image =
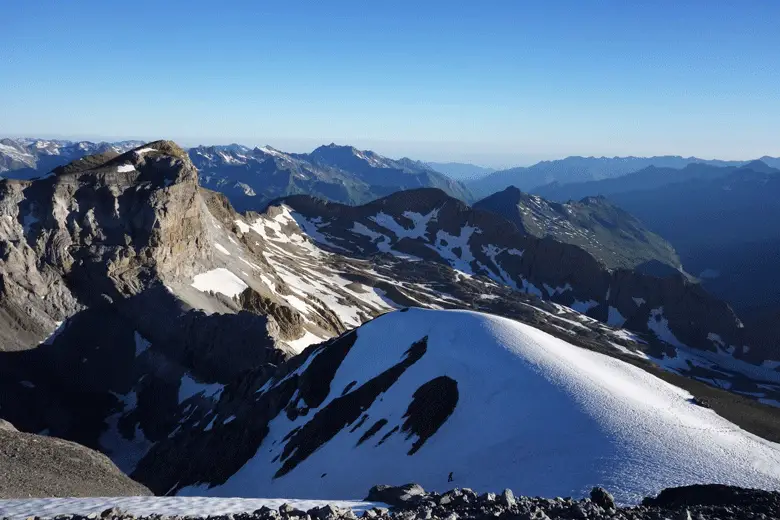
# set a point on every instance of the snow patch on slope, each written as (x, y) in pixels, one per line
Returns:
(660, 327)
(219, 280)
(190, 387)
(446, 244)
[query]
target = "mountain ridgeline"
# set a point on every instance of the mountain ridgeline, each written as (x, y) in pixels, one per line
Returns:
(721, 220)
(586, 169)
(208, 351)
(29, 158)
(253, 177)
(608, 233)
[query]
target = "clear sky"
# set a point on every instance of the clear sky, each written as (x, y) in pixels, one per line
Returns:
(494, 82)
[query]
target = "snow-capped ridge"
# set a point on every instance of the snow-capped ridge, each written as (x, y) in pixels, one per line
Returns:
(512, 395)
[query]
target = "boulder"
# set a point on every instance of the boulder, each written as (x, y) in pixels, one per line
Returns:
(396, 496)
(508, 498)
(602, 497)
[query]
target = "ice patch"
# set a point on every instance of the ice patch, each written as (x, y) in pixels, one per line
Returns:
(60, 326)
(219, 280)
(243, 226)
(124, 452)
(221, 249)
(530, 288)
(304, 341)
(660, 326)
(312, 229)
(190, 387)
(614, 318)
(141, 344)
(584, 307)
(419, 228)
(250, 264)
(551, 291)
(125, 168)
(361, 229)
(445, 244)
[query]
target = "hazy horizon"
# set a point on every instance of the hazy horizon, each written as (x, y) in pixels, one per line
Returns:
(509, 83)
(500, 84)
(483, 159)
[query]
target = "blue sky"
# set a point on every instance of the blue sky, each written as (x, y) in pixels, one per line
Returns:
(497, 83)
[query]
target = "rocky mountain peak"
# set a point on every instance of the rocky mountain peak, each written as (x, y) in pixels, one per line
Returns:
(417, 199)
(605, 231)
(148, 160)
(512, 191)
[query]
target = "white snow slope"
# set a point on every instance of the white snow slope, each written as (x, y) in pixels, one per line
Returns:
(535, 414)
(169, 506)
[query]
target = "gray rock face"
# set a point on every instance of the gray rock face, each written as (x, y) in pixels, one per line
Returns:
(103, 337)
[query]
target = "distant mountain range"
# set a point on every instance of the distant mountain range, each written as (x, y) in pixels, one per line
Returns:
(721, 220)
(645, 179)
(461, 171)
(253, 177)
(29, 158)
(584, 169)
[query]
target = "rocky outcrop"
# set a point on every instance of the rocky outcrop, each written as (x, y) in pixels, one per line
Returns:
(412, 502)
(39, 466)
(705, 501)
(103, 338)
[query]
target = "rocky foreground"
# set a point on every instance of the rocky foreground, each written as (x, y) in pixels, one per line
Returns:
(411, 502)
